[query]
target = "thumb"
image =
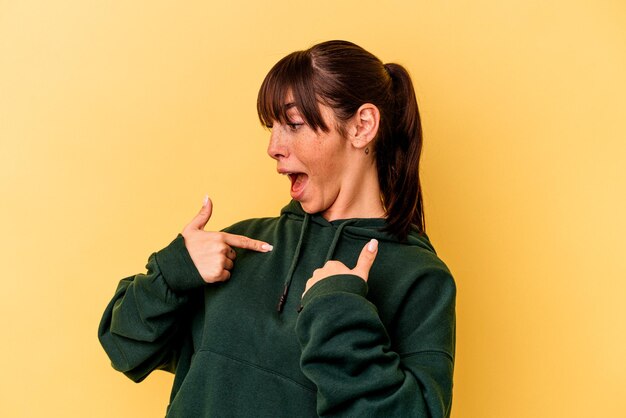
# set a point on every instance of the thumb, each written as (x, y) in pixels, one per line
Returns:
(366, 259)
(201, 219)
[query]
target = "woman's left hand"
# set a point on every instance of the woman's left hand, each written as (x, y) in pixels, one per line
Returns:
(334, 267)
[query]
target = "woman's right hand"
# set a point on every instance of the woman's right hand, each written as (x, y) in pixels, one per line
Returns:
(212, 252)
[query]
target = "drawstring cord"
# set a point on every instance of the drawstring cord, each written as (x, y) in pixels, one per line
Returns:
(333, 244)
(294, 263)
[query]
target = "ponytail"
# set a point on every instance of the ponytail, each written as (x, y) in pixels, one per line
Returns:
(398, 153)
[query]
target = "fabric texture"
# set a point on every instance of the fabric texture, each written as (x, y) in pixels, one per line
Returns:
(384, 348)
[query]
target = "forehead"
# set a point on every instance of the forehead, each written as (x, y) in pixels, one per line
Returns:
(287, 106)
(289, 102)
(280, 102)
(290, 108)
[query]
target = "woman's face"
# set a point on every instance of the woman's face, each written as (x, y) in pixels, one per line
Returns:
(317, 163)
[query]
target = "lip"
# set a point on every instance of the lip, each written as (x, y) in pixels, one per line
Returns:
(298, 184)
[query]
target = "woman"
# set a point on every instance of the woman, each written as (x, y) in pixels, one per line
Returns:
(266, 318)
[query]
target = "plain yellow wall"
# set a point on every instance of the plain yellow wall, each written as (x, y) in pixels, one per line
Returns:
(116, 118)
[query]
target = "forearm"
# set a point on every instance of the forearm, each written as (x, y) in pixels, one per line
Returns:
(347, 353)
(141, 324)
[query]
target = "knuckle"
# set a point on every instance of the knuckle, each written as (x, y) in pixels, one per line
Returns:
(245, 242)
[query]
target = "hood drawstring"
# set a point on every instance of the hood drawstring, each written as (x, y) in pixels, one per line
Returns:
(333, 244)
(294, 262)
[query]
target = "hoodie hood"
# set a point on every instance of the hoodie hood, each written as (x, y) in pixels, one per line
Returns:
(359, 228)
(366, 228)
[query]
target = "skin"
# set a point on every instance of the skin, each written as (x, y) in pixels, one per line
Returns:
(341, 181)
(338, 179)
(212, 252)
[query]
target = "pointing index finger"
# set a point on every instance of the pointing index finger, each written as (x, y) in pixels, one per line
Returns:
(366, 259)
(241, 241)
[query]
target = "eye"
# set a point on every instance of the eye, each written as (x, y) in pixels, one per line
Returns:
(294, 126)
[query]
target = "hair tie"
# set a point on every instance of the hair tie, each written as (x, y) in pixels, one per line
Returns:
(389, 72)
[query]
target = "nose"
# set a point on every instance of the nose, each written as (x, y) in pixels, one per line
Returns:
(277, 148)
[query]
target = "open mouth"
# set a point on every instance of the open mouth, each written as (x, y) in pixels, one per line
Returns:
(298, 183)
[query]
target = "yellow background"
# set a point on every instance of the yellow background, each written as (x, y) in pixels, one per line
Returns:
(116, 117)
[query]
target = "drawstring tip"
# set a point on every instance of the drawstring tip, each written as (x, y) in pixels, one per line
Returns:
(281, 304)
(283, 299)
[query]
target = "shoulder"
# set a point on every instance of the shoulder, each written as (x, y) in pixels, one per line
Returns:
(410, 276)
(257, 228)
(413, 261)
(290, 219)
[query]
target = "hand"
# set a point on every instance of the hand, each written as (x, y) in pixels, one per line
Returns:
(212, 252)
(334, 267)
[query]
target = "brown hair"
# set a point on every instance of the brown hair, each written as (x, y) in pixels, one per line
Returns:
(344, 76)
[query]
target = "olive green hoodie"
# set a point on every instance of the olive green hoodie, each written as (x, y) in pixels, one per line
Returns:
(384, 348)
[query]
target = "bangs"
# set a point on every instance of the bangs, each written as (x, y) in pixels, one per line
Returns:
(293, 74)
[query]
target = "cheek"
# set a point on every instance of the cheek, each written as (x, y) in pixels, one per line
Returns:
(324, 166)
(328, 153)
(321, 155)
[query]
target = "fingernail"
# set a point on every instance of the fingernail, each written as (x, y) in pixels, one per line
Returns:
(371, 247)
(267, 247)
(205, 201)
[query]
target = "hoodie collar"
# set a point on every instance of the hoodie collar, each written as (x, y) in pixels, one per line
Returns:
(366, 228)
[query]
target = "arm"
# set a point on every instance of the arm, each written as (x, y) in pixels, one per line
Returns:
(140, 325)
(348, 353)
(146, 323)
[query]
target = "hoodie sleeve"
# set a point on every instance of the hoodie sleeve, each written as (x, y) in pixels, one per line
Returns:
(139, 327)
(359, 369)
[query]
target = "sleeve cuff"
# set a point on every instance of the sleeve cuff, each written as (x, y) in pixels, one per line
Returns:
(177, 267)
(341, 283)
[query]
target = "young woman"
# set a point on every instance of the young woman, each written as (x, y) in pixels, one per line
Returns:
(339, 306)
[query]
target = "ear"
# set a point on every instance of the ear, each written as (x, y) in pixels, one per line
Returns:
(364, 125)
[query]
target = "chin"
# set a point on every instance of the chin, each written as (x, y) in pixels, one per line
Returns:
(311, 208)
(308, 209)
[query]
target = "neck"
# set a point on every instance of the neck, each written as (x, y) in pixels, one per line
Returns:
(359, 197)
